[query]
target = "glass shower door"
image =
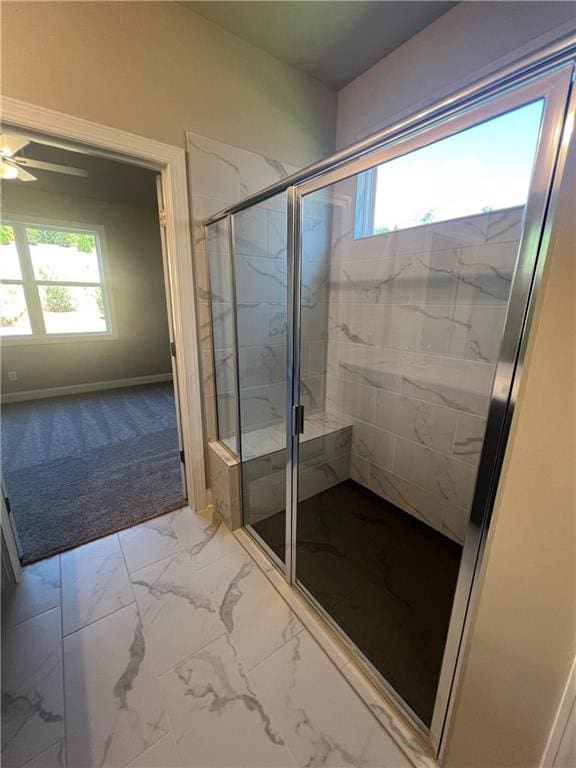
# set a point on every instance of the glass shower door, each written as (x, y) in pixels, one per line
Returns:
(261, 280)
(409, 265)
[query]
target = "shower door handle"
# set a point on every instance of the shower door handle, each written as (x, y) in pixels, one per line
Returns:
(297, 419)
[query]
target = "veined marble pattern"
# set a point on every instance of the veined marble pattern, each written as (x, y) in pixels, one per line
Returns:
(416, 319)
(94, 583)
(144, 544)
(32, 694)
(38, 591)
(295, 685)
(210, 696)
(113, 709)
(230, 702)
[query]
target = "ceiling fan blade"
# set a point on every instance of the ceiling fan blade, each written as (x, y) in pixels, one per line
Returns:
(43, 166)
(11, 143)
(24, 175)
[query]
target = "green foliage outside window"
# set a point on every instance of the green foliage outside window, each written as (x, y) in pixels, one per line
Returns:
(82, 241)
(57, 298)
(6, 235)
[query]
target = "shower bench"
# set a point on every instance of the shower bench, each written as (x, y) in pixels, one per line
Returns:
(325, 450)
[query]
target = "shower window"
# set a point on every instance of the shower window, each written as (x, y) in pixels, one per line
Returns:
(482, 169)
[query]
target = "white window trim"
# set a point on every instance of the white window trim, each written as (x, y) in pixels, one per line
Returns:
(19, 222)
(364, 208)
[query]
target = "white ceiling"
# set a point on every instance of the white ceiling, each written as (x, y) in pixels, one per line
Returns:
(333, 42)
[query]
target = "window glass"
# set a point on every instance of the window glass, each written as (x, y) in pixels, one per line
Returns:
(72, 309)
(478, 170)
(14, 320)
(9, 264)
(51, 281)
(63, 255)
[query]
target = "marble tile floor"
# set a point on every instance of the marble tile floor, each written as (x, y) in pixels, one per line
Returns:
(167, 645)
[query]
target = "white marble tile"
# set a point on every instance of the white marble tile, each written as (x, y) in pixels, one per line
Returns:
(32, 693)
(420, 756)
(94, 583)
(257, 619)
(505, 226)
(319, 716)
(477, 332)
(177, 609)
(164, 754)
(350, 398)
(469, 437)
(222, 325)
(261, 279)
(217, 718)
(314, 480)
(264, 496)
(203, 536)
(277, 234)
(460, 384)
(375, 281)
(458, 233)
(355, 324)
(252, 319)
(370, 366)
(263, 365)
(251, 231)
(146, 543)
(36, 592)
(455, 521)
(373, 443)
(53, 757)
(447, 477)
(415, 500)
(256, 407)
(419, 421)
(113, 708)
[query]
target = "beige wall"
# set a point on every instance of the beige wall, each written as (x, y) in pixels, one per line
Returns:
(157, 69)
(137, 288)
(524, 636)
(470, 41)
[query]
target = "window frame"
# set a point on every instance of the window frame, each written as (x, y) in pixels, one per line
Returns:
(31, 285)
(365, 204)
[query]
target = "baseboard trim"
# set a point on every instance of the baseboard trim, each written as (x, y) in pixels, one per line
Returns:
(76, 389)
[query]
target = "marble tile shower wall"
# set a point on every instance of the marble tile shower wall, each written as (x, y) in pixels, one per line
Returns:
(261, 290)
(415, 323)
(220, 175)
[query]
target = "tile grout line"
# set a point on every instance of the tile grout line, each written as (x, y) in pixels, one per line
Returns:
(151, 666)
(64, 735)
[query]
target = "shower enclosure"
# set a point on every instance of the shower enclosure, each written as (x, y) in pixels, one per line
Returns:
(369, 322)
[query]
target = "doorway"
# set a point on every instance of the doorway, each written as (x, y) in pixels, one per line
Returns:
(91, 438)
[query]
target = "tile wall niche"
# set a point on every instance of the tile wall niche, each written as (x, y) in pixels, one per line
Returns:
(415, 323)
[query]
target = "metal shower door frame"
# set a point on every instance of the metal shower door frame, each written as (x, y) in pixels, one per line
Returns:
(553, 87)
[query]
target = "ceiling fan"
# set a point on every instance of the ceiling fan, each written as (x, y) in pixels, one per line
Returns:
(13, 166)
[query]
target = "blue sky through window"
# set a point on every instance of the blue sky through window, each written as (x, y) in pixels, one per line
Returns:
(484, 167)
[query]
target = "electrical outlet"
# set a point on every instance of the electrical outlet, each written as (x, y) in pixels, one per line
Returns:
(12, 376)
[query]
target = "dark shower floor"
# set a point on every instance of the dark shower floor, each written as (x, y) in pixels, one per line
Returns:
(387, 579)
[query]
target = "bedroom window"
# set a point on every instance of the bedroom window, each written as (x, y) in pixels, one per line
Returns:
(52, 282)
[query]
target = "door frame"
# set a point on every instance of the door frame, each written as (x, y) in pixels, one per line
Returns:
(170, 162)
(555, 87)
